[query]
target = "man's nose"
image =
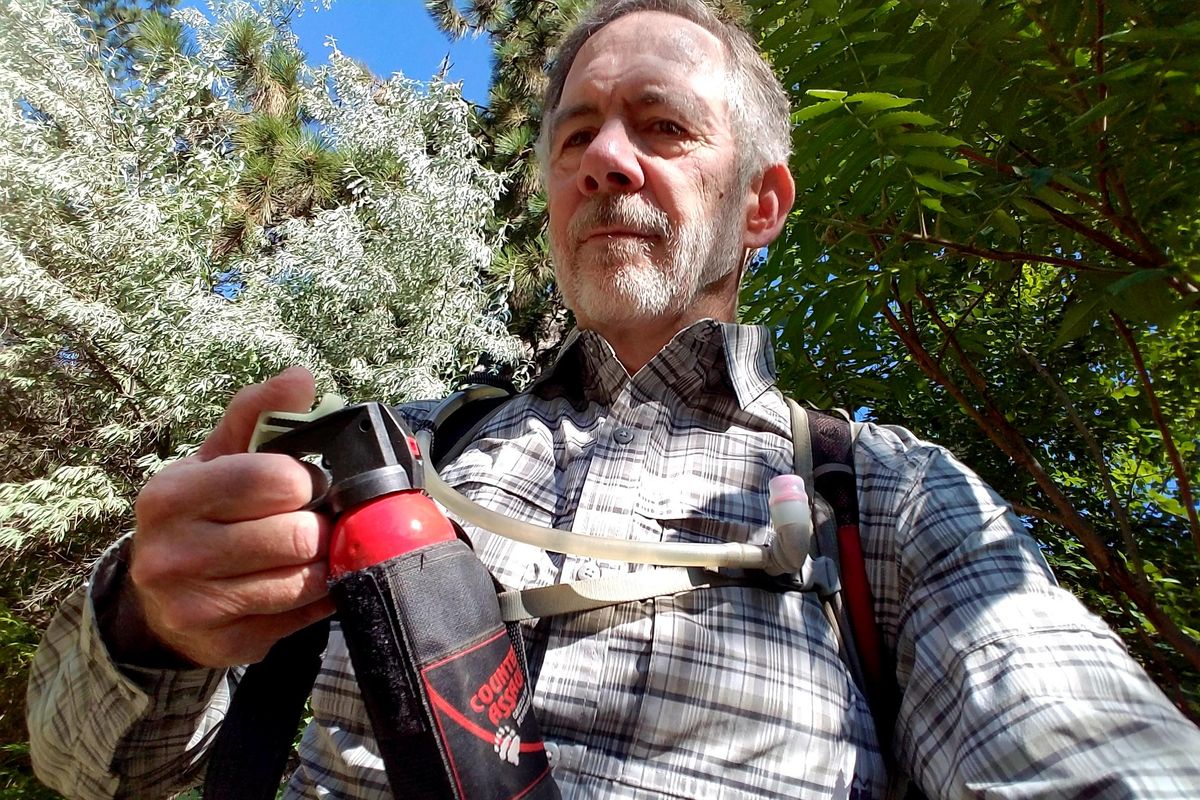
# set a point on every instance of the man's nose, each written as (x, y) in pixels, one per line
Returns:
(610, 162)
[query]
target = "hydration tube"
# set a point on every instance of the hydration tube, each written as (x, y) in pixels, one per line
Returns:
(775, 558)
(667, 554)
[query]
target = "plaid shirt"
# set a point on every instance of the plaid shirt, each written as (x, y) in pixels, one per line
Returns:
(1010, 688)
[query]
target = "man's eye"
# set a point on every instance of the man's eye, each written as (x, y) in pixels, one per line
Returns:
(668, 127)
(577, 139)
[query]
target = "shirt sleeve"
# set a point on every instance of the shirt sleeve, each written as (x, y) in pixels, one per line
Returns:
(1010, 687)
(98, 729)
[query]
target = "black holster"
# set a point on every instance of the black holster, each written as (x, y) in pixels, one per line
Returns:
(443, 678)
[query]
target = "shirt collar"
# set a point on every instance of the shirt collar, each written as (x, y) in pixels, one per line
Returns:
(707, 355)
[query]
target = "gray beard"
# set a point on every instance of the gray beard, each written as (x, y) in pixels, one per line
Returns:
(621, 283)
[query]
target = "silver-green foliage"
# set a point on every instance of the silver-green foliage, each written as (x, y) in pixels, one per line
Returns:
(126, 326)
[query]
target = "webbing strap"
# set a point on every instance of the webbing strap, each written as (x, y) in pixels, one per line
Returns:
(802, 459)
(252, 745)
(609, 590)
(826, 443)
(826, 542)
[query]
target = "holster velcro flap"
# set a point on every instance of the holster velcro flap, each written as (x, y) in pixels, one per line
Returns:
(445, 689)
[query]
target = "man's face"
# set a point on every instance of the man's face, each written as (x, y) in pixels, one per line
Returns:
(645, 210)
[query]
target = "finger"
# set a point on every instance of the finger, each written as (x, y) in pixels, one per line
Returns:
(291, 390)
(200, 609)
(230, 488)
(227, 550)
(251, 638)
(275, 591)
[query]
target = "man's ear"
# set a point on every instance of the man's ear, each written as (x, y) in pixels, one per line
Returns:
(768, 200)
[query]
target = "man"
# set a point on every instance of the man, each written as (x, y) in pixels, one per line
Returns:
(664, 148)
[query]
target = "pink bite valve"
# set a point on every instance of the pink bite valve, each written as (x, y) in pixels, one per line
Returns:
(787, 487)
(791, 517)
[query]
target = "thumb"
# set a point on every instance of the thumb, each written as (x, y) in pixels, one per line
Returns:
(291, 390)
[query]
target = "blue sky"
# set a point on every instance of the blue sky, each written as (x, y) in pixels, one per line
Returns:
(395, 36)
(392, 36)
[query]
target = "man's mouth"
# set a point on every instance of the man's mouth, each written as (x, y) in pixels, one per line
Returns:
(602, 234)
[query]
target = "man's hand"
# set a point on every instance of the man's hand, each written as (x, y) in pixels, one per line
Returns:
(223, 562)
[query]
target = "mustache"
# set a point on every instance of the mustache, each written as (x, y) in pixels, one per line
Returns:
(623, 211)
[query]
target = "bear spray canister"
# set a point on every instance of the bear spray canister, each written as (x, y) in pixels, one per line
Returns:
(444, 680)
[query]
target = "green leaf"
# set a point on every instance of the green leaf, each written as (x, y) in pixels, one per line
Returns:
(852, 160)
(1070, 182)
(848, 19)
(826, 8)
(1058, 200)
(902, 118)
(898, 83)
(827, 315)
(924, 139)
(1181, 33)
(934, 203)
(1005, 223)
(878, 101)
(1079, 318)
(770, 12)
(982, 102)
(1110, 106)
(908, 282)
(927, 159)
(884, 59)
(1135, 279)
(816, 110)
(826, 94)
(1125, 72)
(1032, 209)
(1168, 504)
(1149, 301)
(865, 37)
(868, 195)
(794, 322)
(856, 304)
(939, 185)
(804, 239)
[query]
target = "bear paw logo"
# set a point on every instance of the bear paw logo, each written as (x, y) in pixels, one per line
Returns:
(507, 745)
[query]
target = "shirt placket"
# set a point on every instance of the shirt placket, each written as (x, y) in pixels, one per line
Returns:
(594, 649)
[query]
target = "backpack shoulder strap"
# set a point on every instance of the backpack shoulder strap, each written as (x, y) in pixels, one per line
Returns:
(824, 457)
(457, 419)
(251, 749)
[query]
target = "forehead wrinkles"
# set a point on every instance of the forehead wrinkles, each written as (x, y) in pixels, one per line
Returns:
(696, 45)
(650, 44)
(667, 36)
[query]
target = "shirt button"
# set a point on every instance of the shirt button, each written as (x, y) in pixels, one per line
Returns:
(587, 571)
(623, 435)
(552, 753)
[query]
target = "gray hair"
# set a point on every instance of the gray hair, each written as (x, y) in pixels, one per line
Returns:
(758, 105)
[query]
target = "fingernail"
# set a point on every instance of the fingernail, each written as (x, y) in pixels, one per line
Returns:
(321, 481)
